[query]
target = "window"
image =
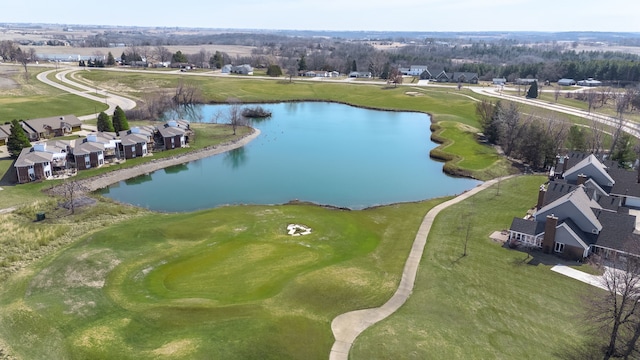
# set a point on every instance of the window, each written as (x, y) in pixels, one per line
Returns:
(559, 247)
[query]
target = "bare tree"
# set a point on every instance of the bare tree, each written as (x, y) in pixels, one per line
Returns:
(162, 54)
(615, 314)
(187, 93)
(511, 127)
(596, 137)
(71, 190)
(556, 93)
(234, 114)
(592, 95)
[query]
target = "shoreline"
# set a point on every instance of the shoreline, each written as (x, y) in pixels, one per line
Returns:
(101, 181)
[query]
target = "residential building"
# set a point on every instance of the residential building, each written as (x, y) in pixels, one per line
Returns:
(134, 145)
(44, 128)
(244, 69)
(590, 82)
(566, 82)
(588, 207)
(41, 161)
(414, 70)
(5, 131)
(465, 77)
(360, 74)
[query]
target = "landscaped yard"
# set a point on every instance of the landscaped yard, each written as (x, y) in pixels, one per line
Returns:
(492, 304)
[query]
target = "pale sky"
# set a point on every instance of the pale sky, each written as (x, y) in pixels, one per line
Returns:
(370, 15)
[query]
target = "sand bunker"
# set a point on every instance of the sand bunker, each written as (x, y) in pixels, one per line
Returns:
(298, 230)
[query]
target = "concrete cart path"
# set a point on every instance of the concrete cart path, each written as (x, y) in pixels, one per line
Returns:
(348, 326)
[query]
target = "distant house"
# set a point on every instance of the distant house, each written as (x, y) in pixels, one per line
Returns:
(521, 81)
(44, 128)
(5, 131)
(441, 76)
(499, 81)
(590, 82)
(566, 82)
(226, 69)
(360, 74)
(465, 77)
(40, 161)
(414, 70)
(242, 69)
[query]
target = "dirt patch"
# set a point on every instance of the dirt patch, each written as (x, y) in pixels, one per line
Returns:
(413, 93)
(178, 348)
(7, 84)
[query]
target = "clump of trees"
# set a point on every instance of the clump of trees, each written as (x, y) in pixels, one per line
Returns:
(535, 139)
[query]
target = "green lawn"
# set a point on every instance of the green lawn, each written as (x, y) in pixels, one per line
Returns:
(34, 99)
(227, 283)
(491, 304)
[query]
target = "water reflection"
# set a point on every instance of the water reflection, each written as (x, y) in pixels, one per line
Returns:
(235, 158)
(176, 169)
(138, 179)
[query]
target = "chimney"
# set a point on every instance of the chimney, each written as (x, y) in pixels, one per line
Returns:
(549, 240)
(565, 163)
(582, 178)
(541, 193)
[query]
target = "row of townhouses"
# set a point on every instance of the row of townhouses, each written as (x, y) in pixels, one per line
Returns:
(589, 206)
(440, 75)
(50, 158)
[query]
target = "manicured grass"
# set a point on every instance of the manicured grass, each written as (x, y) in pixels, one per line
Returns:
(34, 99)
(464, 154)
(492, 304)
(227, 283)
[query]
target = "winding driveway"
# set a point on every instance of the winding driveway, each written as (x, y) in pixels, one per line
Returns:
(95, 94)
(348, 326)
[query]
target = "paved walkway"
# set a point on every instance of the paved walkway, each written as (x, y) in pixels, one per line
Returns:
(579, 275)
(348, 326)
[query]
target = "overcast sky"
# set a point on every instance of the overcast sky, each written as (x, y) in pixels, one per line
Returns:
(384, 15)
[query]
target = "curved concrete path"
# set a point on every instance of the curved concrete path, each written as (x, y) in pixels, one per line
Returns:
(348, 326)
(85, 91)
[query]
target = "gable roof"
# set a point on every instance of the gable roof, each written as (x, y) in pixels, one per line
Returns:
(617, 230)
(41, 153)
(591, 167)
(133, 139)
(169, 131)
(87, 148)
(626, 182)
(54, 122)
(575, 205)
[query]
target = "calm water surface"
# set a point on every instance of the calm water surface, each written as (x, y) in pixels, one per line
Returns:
(320, 152)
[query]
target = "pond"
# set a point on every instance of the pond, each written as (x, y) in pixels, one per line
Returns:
(326, 153)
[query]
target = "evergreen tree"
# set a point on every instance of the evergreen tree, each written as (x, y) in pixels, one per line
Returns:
(532, 93)
(110, 59)
(104, 123)
(120, 122)
(123, 58)
(386, 69)
(179, 57)
(354, 66)
(623, 152)
(274, 70)
(302, 64)
(17, 139)
(576, 138)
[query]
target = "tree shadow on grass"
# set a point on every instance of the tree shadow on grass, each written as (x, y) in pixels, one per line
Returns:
(10, 177)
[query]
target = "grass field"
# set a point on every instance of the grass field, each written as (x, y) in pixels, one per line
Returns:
(227, 281)
(29, 99)
(492, 304)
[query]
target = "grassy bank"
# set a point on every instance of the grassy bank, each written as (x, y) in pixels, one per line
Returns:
(493, 303)
(227, 281)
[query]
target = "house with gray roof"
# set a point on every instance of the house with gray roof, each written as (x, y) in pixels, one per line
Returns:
(566, 82)
(174, 134)
(134, 145)
(41, 161)
(465, 77)
(45, 128)
(5, 131)
(585, 210)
